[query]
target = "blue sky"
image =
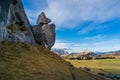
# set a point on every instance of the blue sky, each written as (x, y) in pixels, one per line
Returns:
(92, 25)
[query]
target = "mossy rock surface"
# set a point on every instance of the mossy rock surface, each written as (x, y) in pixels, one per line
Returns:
(15, 27)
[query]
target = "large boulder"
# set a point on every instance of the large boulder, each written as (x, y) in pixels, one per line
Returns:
(49, 35)
(42, 19)
(44, 35)
(12, 12)
(38, 34)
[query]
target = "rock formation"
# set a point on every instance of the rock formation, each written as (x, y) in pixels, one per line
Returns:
(42, 19)
(15, 26)
(4, 7)
(44, 32)
(12, 12)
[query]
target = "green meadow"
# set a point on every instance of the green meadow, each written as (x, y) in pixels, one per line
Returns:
(96, 66)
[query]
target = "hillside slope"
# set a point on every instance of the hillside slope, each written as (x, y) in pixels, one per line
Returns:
(25, 62)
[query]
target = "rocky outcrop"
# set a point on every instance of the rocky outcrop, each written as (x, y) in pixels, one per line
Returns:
(44, 33)
(15, 26)
(4, 7)
(49, 35)
(42, 19)
(38, 34)
(12, 12)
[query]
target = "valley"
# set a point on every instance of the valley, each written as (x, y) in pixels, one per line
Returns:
(104, 66)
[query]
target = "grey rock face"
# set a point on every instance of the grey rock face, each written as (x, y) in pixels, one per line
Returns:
(4, 7)
(3, 31)
(44, 33)
(42, 19)
(49, 35)
(38, 34)
(12, 12)
(17, 15)
(17, 37)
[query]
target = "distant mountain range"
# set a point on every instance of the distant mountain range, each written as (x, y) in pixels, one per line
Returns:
(112, 53)
(63, 53)
(99, 52)
(60, 52)
(82, 55)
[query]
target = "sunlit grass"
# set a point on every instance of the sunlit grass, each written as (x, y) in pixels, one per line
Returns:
(25, 62)
(109, 65)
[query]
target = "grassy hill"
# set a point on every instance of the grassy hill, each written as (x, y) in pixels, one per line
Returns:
(25, 62)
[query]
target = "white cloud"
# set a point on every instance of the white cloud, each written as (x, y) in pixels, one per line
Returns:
(70, 13)
(106, 45)
(70, 47)
(66, 12)
(100, 36)
(61, 45)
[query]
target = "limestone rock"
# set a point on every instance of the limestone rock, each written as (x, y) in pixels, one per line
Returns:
(38, 34)
(4, 7)
(12, 12)
(44, 35)
(42, 19)
(49, 35)
(17, 37)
